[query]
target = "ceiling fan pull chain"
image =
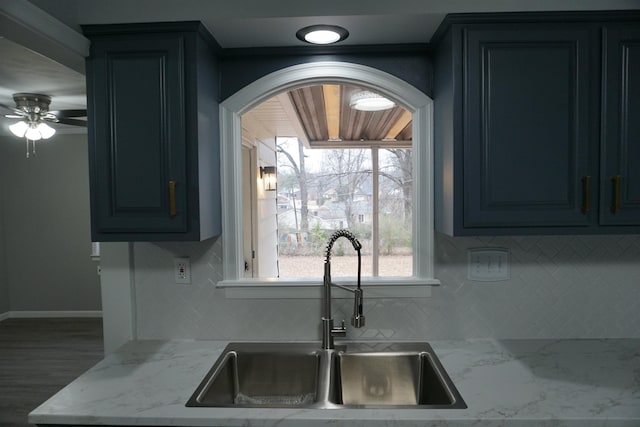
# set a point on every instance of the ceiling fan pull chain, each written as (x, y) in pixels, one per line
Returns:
(33, 147)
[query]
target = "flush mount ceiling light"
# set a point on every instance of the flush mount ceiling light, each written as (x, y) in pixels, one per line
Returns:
(365, 100)
(33, 110)
(322, 34)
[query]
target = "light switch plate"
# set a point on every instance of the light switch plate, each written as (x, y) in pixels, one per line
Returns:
(488, 264)
(182, 270)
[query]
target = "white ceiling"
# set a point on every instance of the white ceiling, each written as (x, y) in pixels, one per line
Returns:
(234, 24)
(23, 70)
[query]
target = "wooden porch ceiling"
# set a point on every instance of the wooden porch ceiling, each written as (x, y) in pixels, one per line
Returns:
(328, 121)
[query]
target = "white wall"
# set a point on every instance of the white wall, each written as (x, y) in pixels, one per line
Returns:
(265, 212)
(570, 286)
(267, 215)
(561, 286)
(46, 236)
(118, 297)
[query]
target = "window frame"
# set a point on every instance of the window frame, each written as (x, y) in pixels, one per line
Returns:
(231, 110)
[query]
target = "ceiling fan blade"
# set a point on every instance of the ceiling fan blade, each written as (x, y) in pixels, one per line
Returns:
(14, 111)
(73, 122)
(14, 116)
(61, 114)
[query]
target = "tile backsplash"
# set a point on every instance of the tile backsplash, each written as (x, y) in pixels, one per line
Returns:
(560, 287)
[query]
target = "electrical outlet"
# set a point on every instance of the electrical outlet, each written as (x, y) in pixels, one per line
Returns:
(182, 270)
(488, 264)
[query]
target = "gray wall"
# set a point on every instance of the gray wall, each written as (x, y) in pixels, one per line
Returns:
(46, 234)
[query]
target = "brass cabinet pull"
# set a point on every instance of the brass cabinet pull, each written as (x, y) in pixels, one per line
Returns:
(172, 198)
(617, 188)
(586, 194)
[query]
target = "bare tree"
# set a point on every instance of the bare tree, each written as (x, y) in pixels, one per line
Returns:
(346, 170)
(400, 172)
(301, 175)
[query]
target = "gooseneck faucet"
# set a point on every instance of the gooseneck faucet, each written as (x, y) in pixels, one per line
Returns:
(357, 320)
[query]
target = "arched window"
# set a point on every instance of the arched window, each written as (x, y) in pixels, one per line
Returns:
(413, 100)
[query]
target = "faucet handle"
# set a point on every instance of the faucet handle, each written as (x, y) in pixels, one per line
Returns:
(340, 331)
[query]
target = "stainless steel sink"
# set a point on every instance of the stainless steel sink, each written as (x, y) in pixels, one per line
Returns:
(301, 375)
(261, 375)
(401, 375)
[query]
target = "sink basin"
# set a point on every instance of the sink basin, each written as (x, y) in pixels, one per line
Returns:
(301, 375)
(409, 376)
(261, 375)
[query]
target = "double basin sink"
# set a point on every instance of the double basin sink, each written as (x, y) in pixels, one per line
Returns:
(301, 375)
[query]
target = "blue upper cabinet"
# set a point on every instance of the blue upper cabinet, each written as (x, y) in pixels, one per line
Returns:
(620, 181)
(153, 133)
(527, 133)
(517, 128)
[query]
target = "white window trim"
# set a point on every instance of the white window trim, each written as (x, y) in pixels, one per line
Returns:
(231, 110)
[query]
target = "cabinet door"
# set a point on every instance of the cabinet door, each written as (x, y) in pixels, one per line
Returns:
(527, 128)
(620, 181)
(137, 147)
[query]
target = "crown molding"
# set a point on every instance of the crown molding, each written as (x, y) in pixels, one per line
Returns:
(593, 16)
(24, 23)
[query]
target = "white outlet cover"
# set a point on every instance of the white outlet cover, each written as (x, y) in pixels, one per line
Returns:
(488, 264)
(182, 270)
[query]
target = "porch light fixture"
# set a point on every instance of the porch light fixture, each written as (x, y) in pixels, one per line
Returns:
(269, 178)
(322, 34)
(365, 100)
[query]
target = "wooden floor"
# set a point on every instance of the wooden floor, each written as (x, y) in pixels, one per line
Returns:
(40, 356)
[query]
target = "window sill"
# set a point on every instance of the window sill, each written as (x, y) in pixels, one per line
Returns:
(312, 289)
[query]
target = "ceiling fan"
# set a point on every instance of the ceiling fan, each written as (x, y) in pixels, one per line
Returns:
(33, 111)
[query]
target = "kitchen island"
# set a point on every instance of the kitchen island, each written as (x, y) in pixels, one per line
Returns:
(584, 383)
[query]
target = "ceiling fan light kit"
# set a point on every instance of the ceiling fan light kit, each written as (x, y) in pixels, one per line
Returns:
(33, 131)
(33, 110)
(19, 129)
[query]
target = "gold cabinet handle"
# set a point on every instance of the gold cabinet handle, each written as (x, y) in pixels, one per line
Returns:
(172, 198)
(617, 188)
(586, 194)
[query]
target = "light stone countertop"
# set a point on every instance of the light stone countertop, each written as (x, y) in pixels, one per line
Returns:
(521, 383)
